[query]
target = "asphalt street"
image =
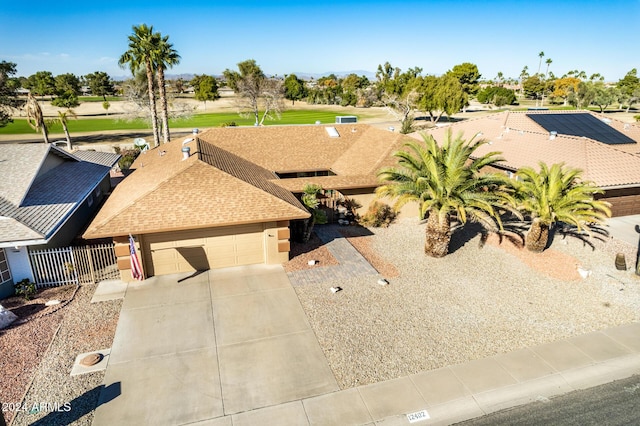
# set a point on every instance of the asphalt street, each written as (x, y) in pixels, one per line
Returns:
(611, 404)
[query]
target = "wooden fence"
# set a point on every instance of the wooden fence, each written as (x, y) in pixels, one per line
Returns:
(74, 265)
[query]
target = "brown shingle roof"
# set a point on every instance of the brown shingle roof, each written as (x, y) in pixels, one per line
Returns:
(307, 148)
(167, 193)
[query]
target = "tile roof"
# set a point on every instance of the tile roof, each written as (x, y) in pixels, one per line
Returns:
(523, 143)
(44, 193)
(166, 193)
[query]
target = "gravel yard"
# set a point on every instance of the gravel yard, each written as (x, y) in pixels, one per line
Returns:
(474, 303)
(79, 327)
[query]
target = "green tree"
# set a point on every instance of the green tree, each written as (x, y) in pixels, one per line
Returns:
(141, 56)
(399, 92)
(557, 194)
(65, 83)
(35, 117)
(450, 95)
(496, 95)
(583, 96)
(42, 83)
(604, 96)
(256, 91)
(447, 183)
(205, 87)
(533, 87)
(163, 55)
(8, 97)
(100, 84)
(629, 87)
(294, 89)
(468, 76)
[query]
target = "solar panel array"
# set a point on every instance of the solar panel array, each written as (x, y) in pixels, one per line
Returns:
(581, 124)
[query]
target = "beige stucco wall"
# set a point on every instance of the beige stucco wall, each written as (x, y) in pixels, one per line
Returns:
(366, 196)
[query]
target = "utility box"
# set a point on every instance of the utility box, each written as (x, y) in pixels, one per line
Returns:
(343, 119)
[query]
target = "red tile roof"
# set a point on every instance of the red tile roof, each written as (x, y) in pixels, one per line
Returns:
(523, 143)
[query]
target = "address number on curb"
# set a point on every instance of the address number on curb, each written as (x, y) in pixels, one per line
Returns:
(418, 416)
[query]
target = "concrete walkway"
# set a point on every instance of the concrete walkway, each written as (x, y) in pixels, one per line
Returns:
(234, 347)
(623, 229)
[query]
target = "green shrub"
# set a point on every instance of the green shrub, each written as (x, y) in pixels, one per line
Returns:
(378, 215)
(129, 155)
(25, 288)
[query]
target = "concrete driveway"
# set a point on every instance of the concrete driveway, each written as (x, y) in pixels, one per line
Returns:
(190, 348)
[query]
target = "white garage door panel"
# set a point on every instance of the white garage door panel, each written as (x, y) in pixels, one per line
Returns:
(213, 248)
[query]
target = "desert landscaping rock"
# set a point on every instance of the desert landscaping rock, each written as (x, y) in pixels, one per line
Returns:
(84, 326)
(475, 302)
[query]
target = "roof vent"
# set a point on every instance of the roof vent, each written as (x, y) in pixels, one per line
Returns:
(186, 152)
(552, 135)
(333, 133)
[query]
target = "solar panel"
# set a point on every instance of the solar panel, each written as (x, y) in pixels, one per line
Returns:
(581, 124)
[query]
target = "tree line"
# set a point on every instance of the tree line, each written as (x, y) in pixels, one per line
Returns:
(407, 94)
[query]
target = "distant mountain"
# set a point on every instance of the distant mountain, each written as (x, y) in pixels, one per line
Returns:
(315, 76)
(301, 74)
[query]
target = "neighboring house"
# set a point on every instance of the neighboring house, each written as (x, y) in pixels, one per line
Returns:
(230, 199)
(47, 197)
(606, 150)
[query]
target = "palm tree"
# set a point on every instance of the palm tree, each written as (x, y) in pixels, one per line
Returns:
(557, 194)
(548, 62)
(35, 117)
(164, 55)
(140, 55)
(447, 183)
(540, 55)
(310, 200)
(63, 118)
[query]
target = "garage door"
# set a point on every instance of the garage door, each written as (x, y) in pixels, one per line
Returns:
(186, 251)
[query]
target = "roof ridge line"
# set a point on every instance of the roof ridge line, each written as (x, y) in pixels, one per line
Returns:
(144, 194)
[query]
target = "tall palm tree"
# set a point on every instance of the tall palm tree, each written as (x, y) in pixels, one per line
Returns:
(557, 194)
(140, 55)
(63, 119)
(447, 183)
(540, 55)
(164, 55)
(35, 117)
(548, 62)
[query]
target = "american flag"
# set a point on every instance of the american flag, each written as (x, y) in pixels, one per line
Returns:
(136, 268)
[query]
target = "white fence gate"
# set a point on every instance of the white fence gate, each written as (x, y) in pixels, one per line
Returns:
(74, 265)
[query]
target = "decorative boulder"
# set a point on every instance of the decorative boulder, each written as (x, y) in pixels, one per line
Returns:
(6, 317)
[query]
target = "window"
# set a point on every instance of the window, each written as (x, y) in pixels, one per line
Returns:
(5, 274)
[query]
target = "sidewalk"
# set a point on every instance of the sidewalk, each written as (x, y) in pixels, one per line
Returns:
(465, 391)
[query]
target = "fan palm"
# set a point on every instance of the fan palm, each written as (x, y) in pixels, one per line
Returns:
(140, 55)
(35, 117)
(447, 183)
(557, 194)
(63, 119)
(163, 55)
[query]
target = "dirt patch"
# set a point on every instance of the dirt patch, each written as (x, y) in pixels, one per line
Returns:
(302, 253)
(360, 238)
(550, 262)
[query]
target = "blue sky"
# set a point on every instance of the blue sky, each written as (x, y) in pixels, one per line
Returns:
(320, 35)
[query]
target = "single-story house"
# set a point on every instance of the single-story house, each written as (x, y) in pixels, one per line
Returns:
(225, 197)
(605, 149)
(47, 197)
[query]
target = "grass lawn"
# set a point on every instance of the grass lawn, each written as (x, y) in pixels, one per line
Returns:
(307, 116)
